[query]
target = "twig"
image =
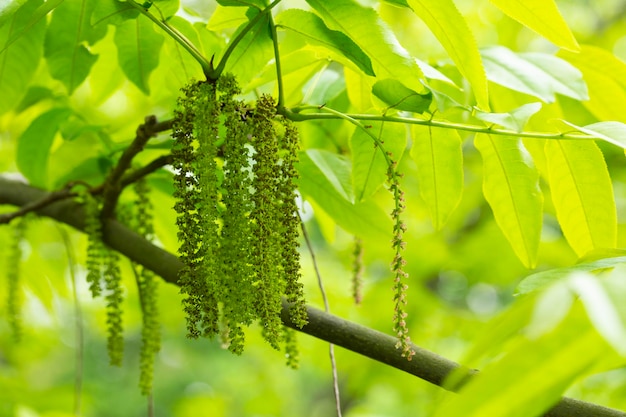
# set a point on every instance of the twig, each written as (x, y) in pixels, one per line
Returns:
(331, 347)
(47, 199)
(139, 173)
(112, 185)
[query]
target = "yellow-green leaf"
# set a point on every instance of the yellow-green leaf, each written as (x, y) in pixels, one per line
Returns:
(448, 25)
(369, 167)
(511, 186)
(605, 76)
(543, 17)
(371, 34)
(582, 194)
(439, 159)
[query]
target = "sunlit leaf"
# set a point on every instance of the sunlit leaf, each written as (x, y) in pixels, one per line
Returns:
(542, 279)
(439, 159)
(253, 52)
(612, 132)
(369, 167)
(537, 74)
(260, 4)
(399, 97)
(515, 119)
(20, 56)
(21, 18)
(543, 17)
(138, 47)
(448, 25)
(604, 311)
(582, 194)
(364, 219)
(70, 30)
(112, 13)
(605, 76)
(532, 375)
(371, 34)
(511, 186)
(33, 146)
(313, 29)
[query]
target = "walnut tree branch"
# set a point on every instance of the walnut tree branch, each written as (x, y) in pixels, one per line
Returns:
(113, 185)
(352, 336)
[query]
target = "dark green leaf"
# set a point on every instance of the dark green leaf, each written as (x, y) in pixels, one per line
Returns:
(399, 97)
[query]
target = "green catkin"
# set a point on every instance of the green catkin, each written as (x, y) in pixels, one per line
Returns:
(14, 258)
(290, 258)
(266, 221)
(292, 355)
(147, 287)
(238, 221)
(357, 271)
(235, 266)
(95, 247)
(206, 122)
(114, 298)
(397, 266)
(188, 205)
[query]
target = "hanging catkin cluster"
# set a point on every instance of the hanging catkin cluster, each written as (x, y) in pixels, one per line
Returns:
(237, 216)
(103, 266)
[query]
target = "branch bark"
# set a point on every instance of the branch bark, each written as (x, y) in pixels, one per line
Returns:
(368, 342)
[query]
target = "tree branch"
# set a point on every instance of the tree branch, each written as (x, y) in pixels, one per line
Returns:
(368, 342)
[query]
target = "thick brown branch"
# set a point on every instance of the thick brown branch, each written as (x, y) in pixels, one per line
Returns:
(368, 342)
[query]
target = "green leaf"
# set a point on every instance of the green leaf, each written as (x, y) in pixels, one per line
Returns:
(364, 219)
(70, 30)
(371, 34)
(22, 20)
(164, 9)
(511, 186)
(313, 29)
(33, 146)
(611, 132)
(543, 17)
(138, 47)
(532, 375)
(399, 97)
(603, 299)
(259, 4)
(369, 167)
(450, 28)
(582, 194)
(515, 119)
(439, 159)
(605, 75)
(20, 55)
(399, 3)
(537, 74)
(253, 52)
(542, 279)
(113, 13)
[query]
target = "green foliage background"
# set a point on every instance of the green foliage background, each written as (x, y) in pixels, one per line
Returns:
(492, 197)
